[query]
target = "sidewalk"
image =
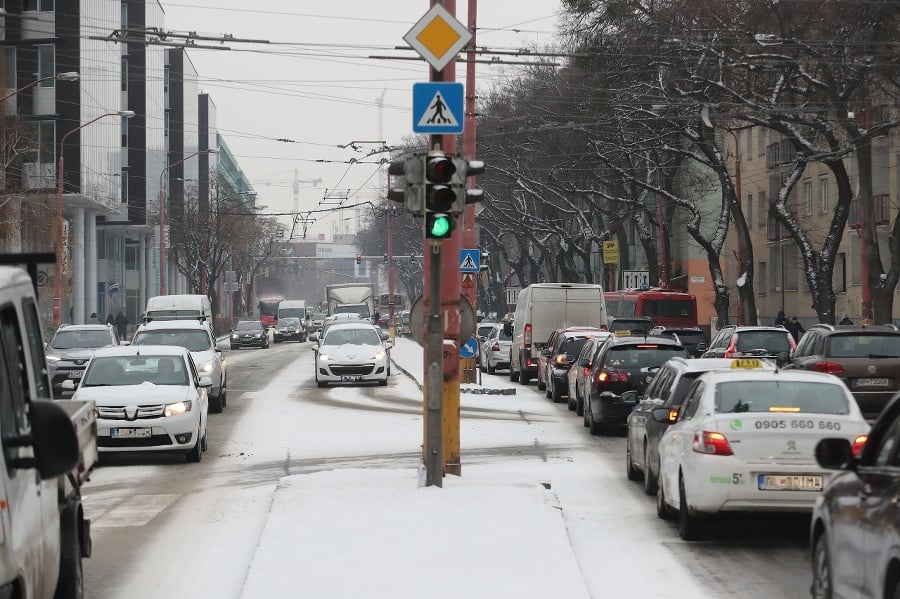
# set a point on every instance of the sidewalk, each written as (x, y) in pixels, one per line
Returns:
(495, 532)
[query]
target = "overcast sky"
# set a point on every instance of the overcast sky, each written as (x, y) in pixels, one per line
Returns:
(314, 83)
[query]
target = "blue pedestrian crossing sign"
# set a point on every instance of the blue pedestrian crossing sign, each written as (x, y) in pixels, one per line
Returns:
(469, 348)
(438, 108)
(469, 261)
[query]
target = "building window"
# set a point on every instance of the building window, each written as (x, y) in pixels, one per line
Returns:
(763, 209)
(124, 22)
(131, 258)
(101, 244)
(761, 141)
(125, 132)
(823, 194)
(791, 270)
(761, 278)
(44, 149)
(807, 197)
(749, 151)
(124, 86)
(9, 67)
(46, 64)
(749, 210)
(124, 182)
(775, 273)
(839, 275)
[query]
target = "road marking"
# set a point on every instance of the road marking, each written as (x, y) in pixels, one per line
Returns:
(135, 511)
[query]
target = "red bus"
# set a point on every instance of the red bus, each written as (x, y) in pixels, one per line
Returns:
(268, 309)
(665, 307)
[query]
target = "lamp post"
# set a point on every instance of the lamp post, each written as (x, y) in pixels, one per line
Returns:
(60, 208)
(66, 76)
(162, 216)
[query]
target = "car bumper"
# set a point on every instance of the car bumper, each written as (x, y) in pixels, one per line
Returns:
(249, 342)
(726, 484)
(172, 433)
(872, 402)
(57, 376)
(610, 410)
(340, 372)
(286, 336)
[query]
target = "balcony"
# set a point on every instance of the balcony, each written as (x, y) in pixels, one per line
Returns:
(39, 175)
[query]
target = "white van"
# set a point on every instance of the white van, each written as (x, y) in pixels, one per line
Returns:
(541, 309)
(178, 307)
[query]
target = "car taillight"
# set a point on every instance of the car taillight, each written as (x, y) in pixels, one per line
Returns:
(587, 371)
(604, 377)
(858, 443)
(527, 339)
(495, 347)
(732, 351)
(560, 360)
(828, 367)
(711, 443)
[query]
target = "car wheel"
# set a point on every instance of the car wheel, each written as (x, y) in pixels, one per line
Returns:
(321, 384)
(663, 511)
(490, 369)
(690, 527)
(572, 403)
(382, 383)
(513, 375)
(586, 413)
(650, 480)
(196, 452)
(542, 386)
(548, 390)
(235, 347)
(579, 403)
(557, 393)
(524, 377)
(205, 447)
(70, 582)
(223, 395)
(630, 471)
(821, 562)
(215, 403)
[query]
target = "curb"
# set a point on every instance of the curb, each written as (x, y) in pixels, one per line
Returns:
(476, 391)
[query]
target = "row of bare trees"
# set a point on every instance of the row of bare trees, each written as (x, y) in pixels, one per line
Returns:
(583, 152)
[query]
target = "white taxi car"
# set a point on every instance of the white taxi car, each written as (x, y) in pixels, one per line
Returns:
(744, 440)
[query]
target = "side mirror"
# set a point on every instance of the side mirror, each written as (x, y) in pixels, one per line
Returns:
(545, 353)
(68, 385)
(584, 363)
(630, 396)
(205, 381)
(835, 454)
(665, 415)
(52, 439)
(388, 343)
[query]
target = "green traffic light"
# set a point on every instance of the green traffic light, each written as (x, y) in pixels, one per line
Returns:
(438, 226)
(441, 226)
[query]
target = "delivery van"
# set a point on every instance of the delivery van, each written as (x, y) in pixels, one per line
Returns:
(179, 307)
(541, 309)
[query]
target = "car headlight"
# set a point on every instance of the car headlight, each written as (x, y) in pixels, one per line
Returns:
(324, 357)
(259, 335)
(378, 355)
(176, 409)
(53, 359)
(235, 336)
(208, 367)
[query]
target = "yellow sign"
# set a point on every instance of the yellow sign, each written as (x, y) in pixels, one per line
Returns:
(749, 363)
(610, 252)
(438, 37)
(622, 333)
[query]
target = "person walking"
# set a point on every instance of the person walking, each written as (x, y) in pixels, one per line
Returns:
(796, 329)
(121, 324)
(780, 319)
(109, 319)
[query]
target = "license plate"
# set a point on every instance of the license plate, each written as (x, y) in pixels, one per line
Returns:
(129, 433)
(790, 482)
(75, 374)
(882, 382)
(351, 379)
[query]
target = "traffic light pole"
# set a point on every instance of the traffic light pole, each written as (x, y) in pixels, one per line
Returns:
(434, 375)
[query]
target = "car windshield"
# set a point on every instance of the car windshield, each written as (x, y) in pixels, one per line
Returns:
(134, 370)
(484, 330)
(686, 336)
(248, 325)
(81, 339)
(288, 322)
(635, 326)
(774, 341)
(352, 336)
(572, 347)
(190, 340)
(361, 311)
(642, 356)
(503, 335)
(805, 397)
(864, 346)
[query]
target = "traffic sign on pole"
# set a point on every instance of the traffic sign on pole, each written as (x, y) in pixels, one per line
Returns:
(438, 37)
(438, 108)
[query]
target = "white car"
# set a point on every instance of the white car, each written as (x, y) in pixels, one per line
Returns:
(494, 349)
(198, 338)
(744, 440)
(352, 352)
(148, 398)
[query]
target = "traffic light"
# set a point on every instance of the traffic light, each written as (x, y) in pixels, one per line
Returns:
(411, 191)
(385, 260)
(359, 258)
(463, 195)
(439, 195)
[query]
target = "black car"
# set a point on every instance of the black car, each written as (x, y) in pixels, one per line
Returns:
(249, 333)
(637, 325)
(855, 529)
(623, 365)
(560, 356)
(288, 329)
(693, 339)
(71, 349)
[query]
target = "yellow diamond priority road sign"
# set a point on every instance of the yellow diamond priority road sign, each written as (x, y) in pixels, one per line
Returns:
(438, 37)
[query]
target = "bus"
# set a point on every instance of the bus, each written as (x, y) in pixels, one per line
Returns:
(385, 300)
(665, 307)
(268, 310)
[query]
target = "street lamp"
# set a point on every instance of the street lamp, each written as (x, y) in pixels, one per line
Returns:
(66, 76)
(60, 208)
(162, 216)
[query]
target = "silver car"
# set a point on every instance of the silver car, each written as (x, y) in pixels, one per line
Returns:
(494, 350)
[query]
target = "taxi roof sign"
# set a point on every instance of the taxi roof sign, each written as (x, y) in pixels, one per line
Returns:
(747, 363)
(622, 333)
(438, 37)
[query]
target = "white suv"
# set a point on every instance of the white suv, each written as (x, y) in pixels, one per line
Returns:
(198, 338)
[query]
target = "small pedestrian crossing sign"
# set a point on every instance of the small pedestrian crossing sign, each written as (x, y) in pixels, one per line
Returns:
(438, 108)
(469, 261)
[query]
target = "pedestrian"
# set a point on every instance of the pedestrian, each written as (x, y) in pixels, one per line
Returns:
(95, 317)
(122, 324)
(845, 319)
(780, 319)
(796, 328)
(110, 320)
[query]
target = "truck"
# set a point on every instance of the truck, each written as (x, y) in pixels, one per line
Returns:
(49, 450)
(351, 298)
